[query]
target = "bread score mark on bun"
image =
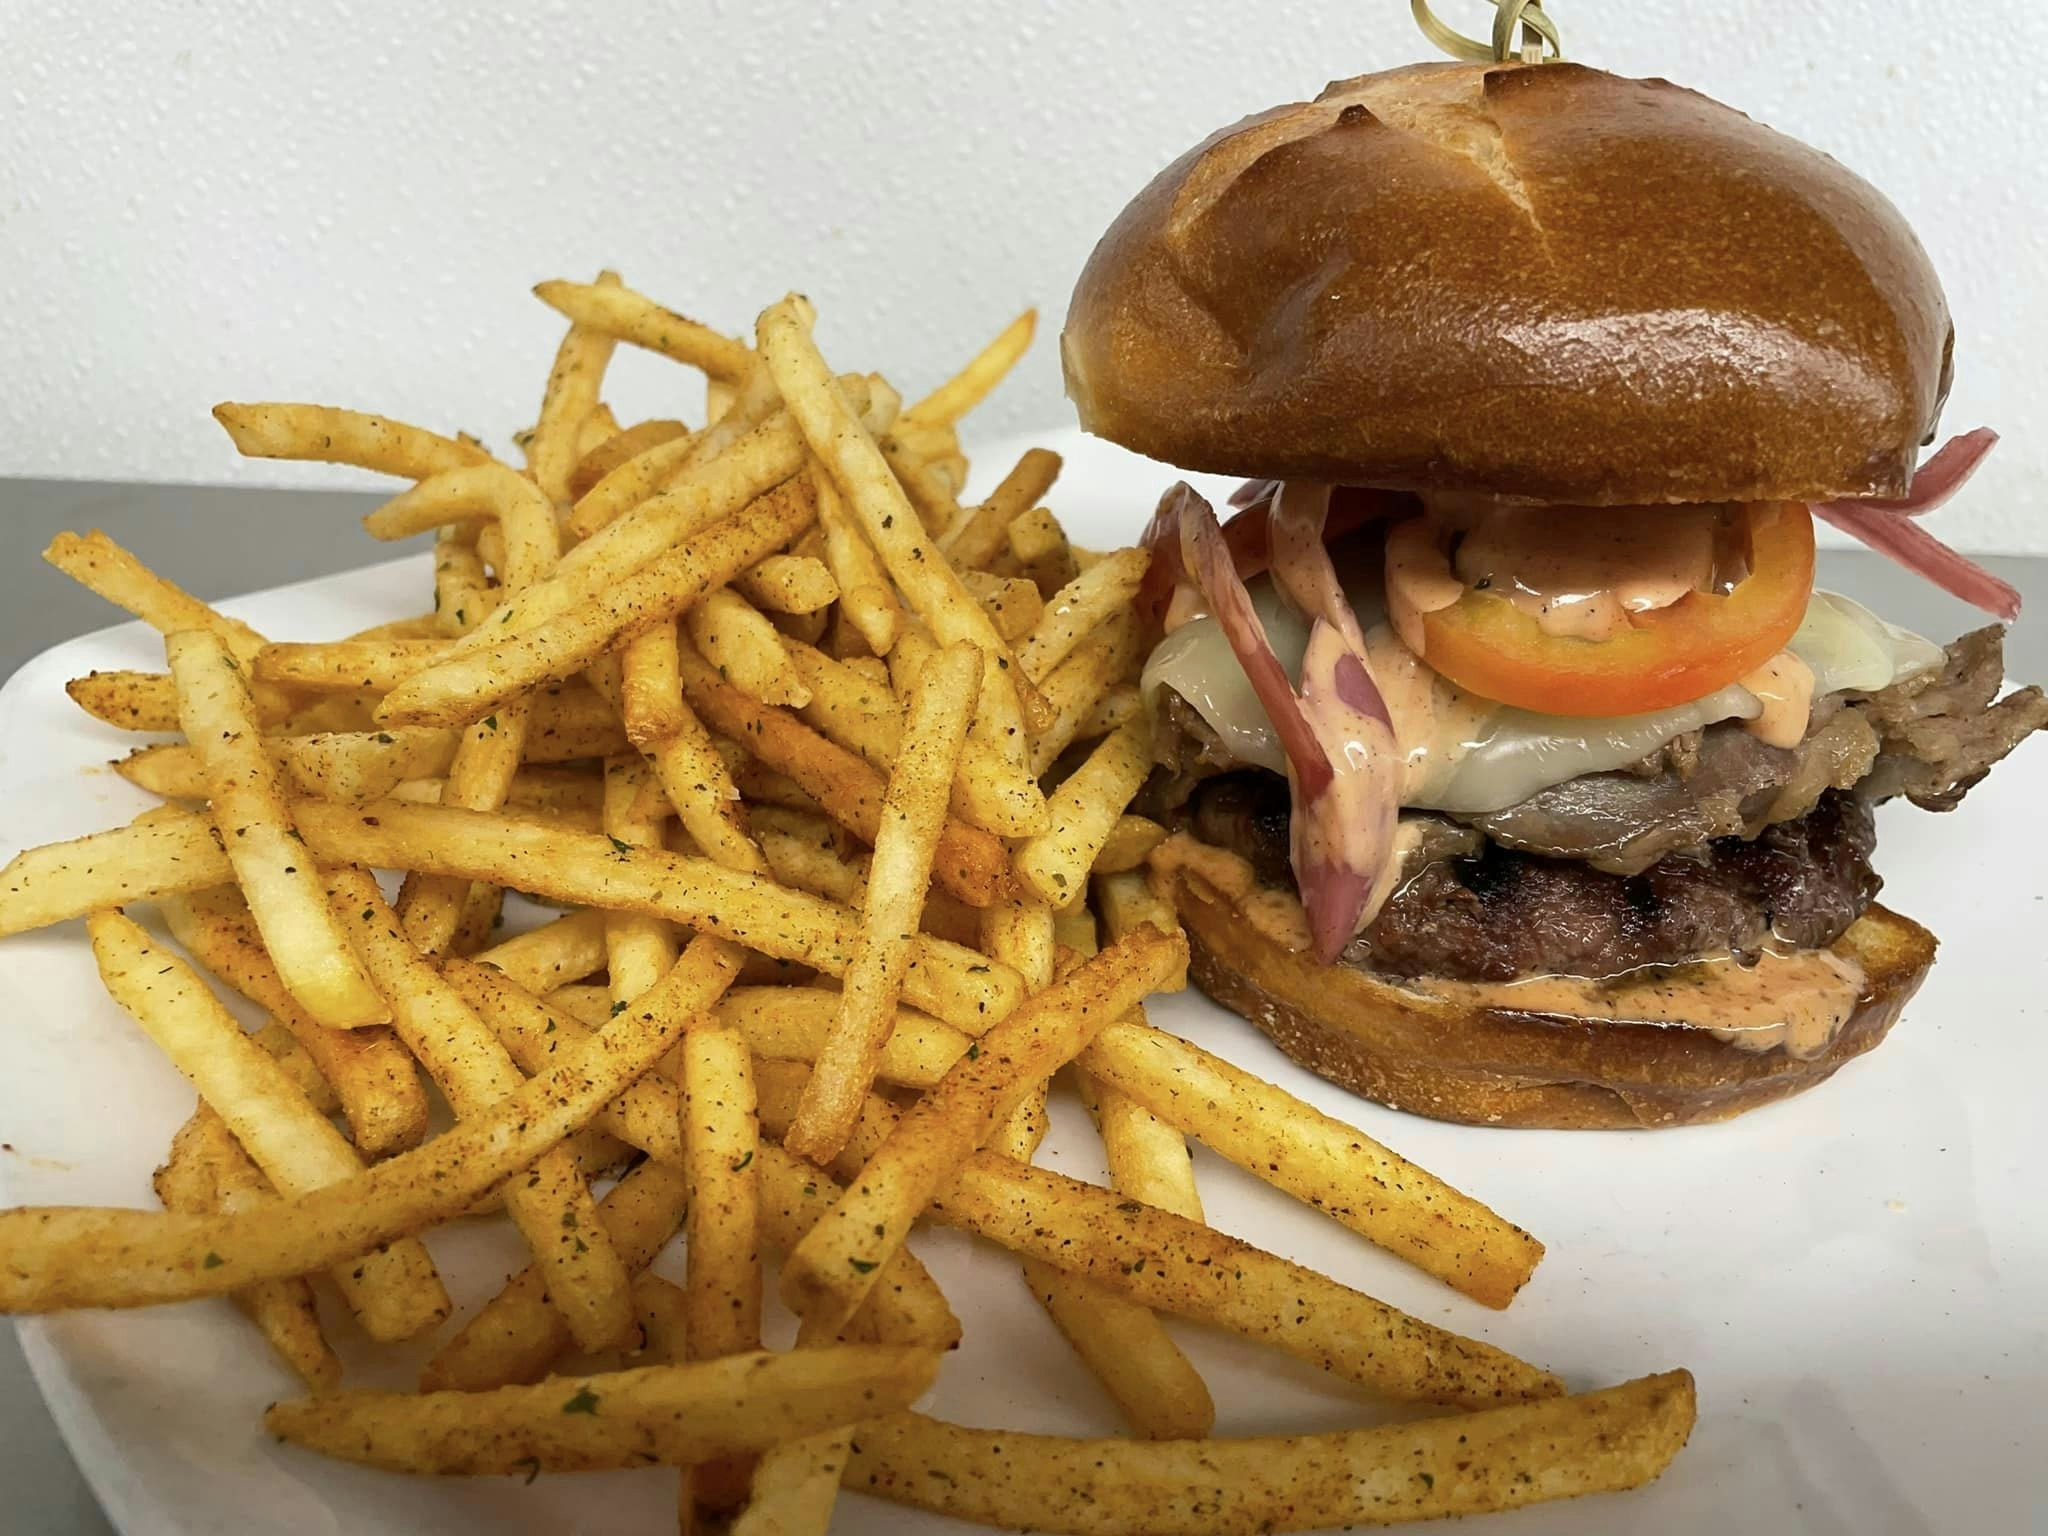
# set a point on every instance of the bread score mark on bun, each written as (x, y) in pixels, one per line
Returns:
(1343, 761)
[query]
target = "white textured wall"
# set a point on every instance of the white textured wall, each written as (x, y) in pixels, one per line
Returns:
(347, 201)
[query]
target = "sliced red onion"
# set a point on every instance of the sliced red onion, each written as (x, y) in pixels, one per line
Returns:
(1336, 733)
(1887, 526)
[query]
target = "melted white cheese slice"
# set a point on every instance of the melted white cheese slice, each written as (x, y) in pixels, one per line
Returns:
(1486, 756)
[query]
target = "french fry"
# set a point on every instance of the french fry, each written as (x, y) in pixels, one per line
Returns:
(1077, 685)
(793, 1022)
(106, 569)
(673, 1415)
(1054, 865)
(984, 531)
(733, 637)
(1319, 1160)
(396, 1293)
(265, 850)
(1099, 593)
(627, 485)
(913, 814)
(1129, 842)
(971, 864)
(639, 949)
(812, 862)
(828, 1275)
(130, 701)
(69, 1256)
(1012, 602)
(462, 589)
(1476, 1463)
(570, 397)
(647, 1115)
(789, 584)
(693, 779)
(795, 1486)
(516, 1336)
(721, 1142)
(207, 1170)
(634, 318)
(345, 665)
(475, 491)
(550, 1205)
(368, 1070)
(928, 490)
(1039, 546)
(665, 1340)
(867, 600)
(276, 430)
(600, 425)
(984, 371)
(561, 951)
(458, 688)
(907, 551)
(330, 765)
(300, 1067)
(620, 449)
(651, 691)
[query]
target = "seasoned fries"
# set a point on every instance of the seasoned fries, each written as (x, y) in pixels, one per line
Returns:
(834, 778)
(255, 828)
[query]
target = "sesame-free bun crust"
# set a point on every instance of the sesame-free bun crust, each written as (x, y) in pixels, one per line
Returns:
(1490, 1067)
(1524, 280)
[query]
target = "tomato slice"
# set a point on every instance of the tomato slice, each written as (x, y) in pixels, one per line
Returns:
(1666, 656)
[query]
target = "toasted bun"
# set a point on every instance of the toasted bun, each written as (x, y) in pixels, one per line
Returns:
(1482, 1067)
(1540, 281)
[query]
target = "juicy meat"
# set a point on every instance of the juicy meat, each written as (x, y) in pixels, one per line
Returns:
(1929, 738)
(1473, 911)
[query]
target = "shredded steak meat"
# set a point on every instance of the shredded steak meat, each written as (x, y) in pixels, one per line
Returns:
(1929, 738)
(1489, 913)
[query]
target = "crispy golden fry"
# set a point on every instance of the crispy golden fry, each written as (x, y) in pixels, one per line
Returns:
(639, 949)
(567, 797)
(721, 1141)
(490, 490)
(591, 871)
(1077, 685)
(1476, 1463)
(647, 1115)
(1012, 602)
(984, 531)
(106, 569)
(733, 637)
(907, 551)
(208, 1171)
(971, 864)
(1039, 546)
(927, 489)
(346, 665)
(460, 687)
(1128, 844)
(638, 479)
(1054, 865)
(139, 862)
(867, 600)
(1104, 590)
(651, 691)
(691, 778)
(370, 1073)
(69, 1256)
(913, 814)
(517, 1335)
(668, 1414)
(1319, 1160)
(791, 1024)
(550, 1205)
(601, 425)
(665, 1340)
(790, 584)
(396, 1293)
(275, 430)
(131, 701)
(571, 396)
(462, 589)
(1127, 901)
(636, 319)
(620, 449)
(984, 371)
(265, 850)
(795, 1486)
(906, 1305)
(812, 862)
(828, 1275)
(299, 1065)
(564, 950)
(331, 765)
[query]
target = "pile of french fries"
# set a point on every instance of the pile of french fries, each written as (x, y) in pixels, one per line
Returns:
(827, 773)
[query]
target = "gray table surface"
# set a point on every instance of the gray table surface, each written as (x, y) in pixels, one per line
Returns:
(217, 542)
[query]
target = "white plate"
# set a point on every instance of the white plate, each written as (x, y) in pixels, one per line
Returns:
(1857, 1277)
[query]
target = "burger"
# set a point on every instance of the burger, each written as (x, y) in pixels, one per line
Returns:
(1516, 772)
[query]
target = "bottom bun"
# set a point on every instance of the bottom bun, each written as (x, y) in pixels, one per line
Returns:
(1483, 1066)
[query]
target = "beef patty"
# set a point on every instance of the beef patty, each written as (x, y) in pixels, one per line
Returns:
(1471, 910)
